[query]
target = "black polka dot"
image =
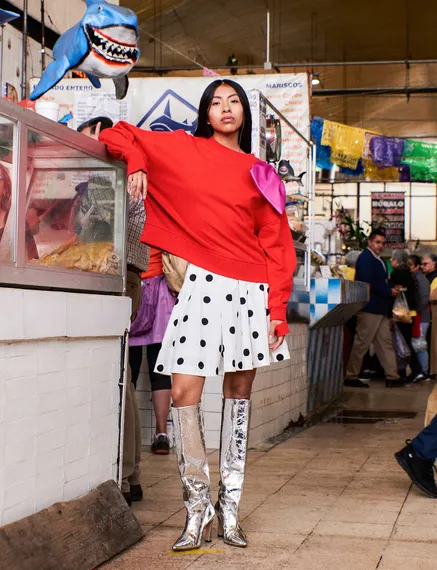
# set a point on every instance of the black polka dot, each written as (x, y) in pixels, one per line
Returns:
(205, 321)
(176, 322)
(255, 334)
(189, 298)
(280, 357)
(260, 356)
(242, 300)
(216, 371)
(185, 319)
(182, 339)
(173, 343)
(209, 278)
(207, 299)
(201, 365)
(262, 287)
(246, 352)
(268, 289)
(240, 365)
(180, 361)
(160, 368)
(202, 343)
(232, 330)
(267, 312)
(228, 297)
(238, 314)
(250, 313)
(177, 301)
(233, 363)
(193, 277)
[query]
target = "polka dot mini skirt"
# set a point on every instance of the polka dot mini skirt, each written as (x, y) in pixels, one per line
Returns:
(218, 325)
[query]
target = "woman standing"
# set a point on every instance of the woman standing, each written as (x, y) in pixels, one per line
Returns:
(148, 330)
(401, 277)
(424, 313)
(217, 206)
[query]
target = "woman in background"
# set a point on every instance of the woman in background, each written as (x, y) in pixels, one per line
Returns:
(424, 314)
(401, 277)
(148, 330)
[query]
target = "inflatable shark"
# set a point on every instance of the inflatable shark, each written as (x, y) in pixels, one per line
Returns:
(103, 44)
(6, 16)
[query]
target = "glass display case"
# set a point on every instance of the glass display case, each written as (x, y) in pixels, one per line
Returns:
(62, 207)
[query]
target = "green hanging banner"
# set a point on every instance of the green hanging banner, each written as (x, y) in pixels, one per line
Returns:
(421, 157)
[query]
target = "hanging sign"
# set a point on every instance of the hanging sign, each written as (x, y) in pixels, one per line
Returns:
(170, 103)
(389, 209)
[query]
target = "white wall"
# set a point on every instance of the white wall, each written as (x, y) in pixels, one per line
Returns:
(420, 207)
(280, 394)
(59, 396)
(11, 60)
(64, 13)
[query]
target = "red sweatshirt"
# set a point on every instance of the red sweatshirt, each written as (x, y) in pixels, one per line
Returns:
(202, 205)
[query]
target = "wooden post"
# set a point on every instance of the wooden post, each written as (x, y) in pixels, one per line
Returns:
(76, 535)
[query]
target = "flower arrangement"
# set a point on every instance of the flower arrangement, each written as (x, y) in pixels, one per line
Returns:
(353, 234)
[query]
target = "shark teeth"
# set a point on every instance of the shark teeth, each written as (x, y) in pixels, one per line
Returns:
(110, 49)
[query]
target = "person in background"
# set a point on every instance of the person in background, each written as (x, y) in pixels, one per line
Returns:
(351, 262)
(429, 268)
(417, 459)
(402, 278)
(423, 312)
(373, 325)
(137, 261)
(148, 330)
(350, 327)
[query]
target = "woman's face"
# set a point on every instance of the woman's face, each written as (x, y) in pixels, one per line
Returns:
(225, 113)
(394, 263)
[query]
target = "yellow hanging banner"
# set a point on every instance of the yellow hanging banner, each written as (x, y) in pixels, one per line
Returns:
(347, 143)
(372, 172)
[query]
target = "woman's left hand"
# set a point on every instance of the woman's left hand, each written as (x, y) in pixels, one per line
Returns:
(274, 341)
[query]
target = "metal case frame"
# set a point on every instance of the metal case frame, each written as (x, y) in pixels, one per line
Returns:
(19, 273)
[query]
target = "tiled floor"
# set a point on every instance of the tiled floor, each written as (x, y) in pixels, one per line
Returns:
(332, 497)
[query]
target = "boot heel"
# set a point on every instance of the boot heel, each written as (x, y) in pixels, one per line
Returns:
(207, 532)
(220, 532)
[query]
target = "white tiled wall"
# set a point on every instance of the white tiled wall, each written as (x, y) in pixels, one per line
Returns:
(59, 396)
(279, 395)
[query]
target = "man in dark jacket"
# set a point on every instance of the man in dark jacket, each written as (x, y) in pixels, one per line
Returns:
(373, 326)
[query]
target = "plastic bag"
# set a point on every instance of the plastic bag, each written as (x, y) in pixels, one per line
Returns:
(419, 344)
(402, 351)
(401, 311)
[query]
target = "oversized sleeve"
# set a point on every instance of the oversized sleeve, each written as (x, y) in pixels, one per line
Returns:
(123, 143)
(277, 244)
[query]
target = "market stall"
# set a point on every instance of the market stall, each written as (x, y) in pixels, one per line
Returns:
(63, 317)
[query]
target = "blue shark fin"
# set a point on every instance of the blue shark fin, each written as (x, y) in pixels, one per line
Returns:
(53, 74)
(121, 86)
(94, 80)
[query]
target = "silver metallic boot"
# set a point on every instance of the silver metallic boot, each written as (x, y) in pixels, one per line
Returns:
(193, 468)
(233, 451)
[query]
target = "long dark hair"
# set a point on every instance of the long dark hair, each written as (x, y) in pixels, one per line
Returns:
(206, 131)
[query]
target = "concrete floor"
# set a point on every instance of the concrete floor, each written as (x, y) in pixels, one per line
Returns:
(332, 497)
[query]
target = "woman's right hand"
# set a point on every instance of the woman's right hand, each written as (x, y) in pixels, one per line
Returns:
(137, 185)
